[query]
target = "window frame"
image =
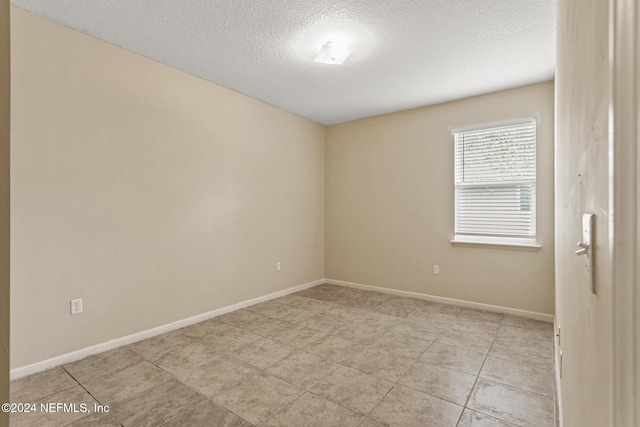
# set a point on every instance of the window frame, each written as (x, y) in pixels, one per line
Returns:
(492, 238)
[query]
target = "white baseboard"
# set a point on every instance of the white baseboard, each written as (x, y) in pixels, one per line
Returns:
(23, 371)
(468, 304)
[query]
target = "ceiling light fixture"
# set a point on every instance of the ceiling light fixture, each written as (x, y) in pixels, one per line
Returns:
(332, 54)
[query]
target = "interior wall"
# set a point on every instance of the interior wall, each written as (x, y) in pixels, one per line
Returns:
(582, 161)
(4, 206)
(390, 205)
(150, 193)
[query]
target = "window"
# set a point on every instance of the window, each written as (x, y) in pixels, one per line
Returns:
(495, 184)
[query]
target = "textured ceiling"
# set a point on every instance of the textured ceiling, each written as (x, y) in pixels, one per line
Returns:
(407, 53)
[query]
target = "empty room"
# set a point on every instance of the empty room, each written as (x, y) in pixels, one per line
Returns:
(334, 213)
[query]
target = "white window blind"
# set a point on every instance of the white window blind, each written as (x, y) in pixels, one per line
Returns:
(495, 183)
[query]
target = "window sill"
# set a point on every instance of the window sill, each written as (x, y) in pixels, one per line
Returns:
(500, 245)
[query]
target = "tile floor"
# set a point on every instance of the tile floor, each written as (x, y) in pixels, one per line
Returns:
(326, 356)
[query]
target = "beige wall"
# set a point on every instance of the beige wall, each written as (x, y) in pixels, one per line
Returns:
(4, 207)
(390, 205)
(582, 98)
(151, 194)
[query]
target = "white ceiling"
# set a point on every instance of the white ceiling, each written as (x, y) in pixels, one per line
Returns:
(407, 53)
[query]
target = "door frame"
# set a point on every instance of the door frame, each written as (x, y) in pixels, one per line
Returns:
(624, 210)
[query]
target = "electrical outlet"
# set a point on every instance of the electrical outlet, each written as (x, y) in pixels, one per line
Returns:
(436, 269)
(278, 266)
(76, 306)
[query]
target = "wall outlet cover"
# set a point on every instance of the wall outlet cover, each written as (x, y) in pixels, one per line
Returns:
(76, 306)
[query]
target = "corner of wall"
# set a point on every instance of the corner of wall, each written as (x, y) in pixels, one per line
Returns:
(4, 205)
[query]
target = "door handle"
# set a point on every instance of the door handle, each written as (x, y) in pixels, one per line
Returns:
(584, 249)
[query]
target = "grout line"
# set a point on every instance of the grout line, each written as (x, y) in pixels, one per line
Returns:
(518, 388)
(381, 399)
(90, 394)
(479, 372)
(287, 405)
(431, 395)
(466, 402)
(493, 417)
(210, 399)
